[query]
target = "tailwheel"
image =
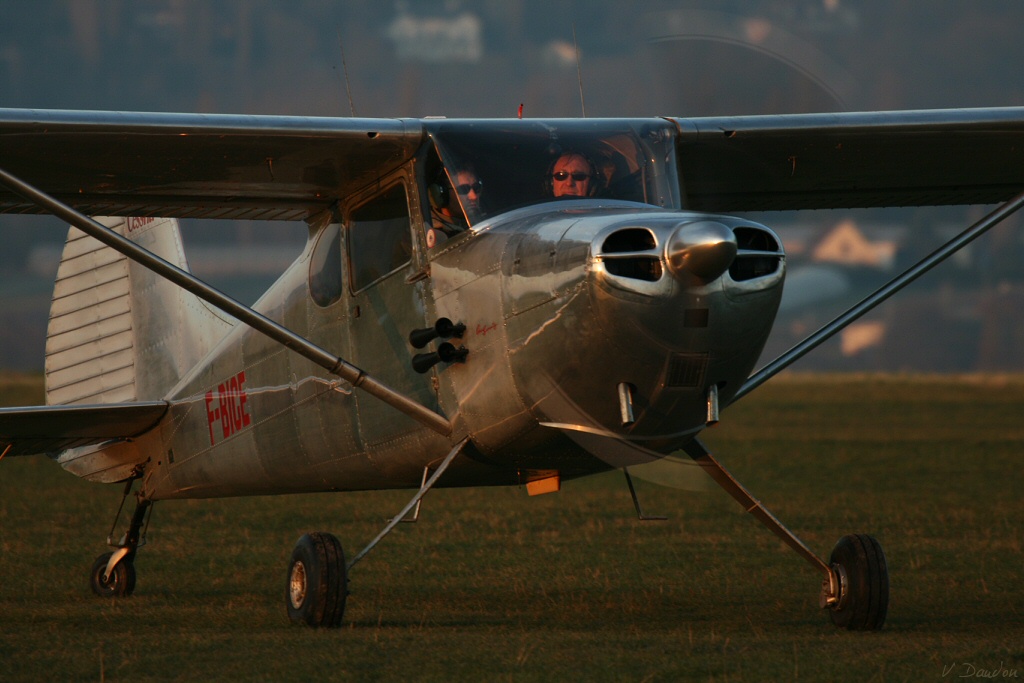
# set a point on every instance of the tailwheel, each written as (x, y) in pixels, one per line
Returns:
(859, 564)
(317, 581)
(113, 574)
(118, 583)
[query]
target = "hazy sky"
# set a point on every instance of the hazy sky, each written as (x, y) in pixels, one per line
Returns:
(485, 58)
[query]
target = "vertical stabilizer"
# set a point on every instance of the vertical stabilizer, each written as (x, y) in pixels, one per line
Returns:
(119, 332)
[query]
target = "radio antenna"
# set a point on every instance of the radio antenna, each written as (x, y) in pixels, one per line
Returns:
(579, 73)
(344, 67)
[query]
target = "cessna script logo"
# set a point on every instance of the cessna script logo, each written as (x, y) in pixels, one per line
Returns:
(135, 223)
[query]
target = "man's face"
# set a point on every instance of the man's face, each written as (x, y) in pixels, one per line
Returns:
(571, 177)
(469, 189)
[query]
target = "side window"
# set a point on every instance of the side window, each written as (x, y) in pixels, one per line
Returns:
(325, 267)
(379, 237)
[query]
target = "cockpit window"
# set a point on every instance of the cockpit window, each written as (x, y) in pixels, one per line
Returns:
(492, 167)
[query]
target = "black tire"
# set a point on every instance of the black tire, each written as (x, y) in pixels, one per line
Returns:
(120, 583)
(317, 581)
(864, 598)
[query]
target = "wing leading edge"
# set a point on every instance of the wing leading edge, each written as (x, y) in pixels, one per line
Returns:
(51, 429)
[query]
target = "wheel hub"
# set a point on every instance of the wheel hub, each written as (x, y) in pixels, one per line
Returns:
(297, 585)
(833, 589)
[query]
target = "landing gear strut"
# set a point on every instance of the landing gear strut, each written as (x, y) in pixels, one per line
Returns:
(113, 573)
(855, 588)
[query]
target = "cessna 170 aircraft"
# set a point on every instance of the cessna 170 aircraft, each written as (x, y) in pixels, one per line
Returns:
(450, 321)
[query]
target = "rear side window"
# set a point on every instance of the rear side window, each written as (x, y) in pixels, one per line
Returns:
(325, 267)
(379, 237)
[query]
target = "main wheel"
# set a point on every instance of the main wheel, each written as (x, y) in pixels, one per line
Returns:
(864, 578)
(120, 583)
(317, 581)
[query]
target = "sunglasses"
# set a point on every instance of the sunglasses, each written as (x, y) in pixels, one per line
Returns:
(466, 187)
(578, 176)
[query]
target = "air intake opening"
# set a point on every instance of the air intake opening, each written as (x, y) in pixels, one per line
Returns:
(630, 239)
(754, 239)
(636, 267)
(749, 268)
(749, 263)
(686, 370)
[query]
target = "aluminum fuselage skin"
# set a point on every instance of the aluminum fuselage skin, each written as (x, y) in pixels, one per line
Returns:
(550, 334)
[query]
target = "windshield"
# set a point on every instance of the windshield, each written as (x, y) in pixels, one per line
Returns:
(493, 166)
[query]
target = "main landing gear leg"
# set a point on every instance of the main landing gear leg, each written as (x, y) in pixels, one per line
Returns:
(855, 587)
(317, 574)
(113, 573)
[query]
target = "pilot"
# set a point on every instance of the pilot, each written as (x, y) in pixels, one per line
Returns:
(573, 174)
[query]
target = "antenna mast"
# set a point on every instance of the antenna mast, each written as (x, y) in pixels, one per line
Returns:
(579, 73)
(344, 68)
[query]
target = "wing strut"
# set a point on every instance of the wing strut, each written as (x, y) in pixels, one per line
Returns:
(880, 295)
(334, 364)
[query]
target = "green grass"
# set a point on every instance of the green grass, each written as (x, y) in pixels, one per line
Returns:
(493, 585)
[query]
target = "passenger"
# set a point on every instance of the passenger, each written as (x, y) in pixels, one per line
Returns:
(451, 213)
(573, 175)
(470, 191)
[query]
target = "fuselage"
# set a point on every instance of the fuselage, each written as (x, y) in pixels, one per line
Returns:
(591, 324)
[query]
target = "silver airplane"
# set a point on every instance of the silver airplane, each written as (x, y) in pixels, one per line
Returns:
(479, 302)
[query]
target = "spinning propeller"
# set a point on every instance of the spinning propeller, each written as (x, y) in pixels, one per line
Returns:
(758, 66)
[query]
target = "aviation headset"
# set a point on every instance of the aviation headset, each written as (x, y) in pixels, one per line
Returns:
(446, 218)
(438, 191)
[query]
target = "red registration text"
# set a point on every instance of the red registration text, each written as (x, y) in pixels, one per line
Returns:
(228, 406)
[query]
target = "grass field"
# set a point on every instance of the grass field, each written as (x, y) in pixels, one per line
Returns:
(492, 585)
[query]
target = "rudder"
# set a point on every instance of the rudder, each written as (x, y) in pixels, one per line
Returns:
(117, 331)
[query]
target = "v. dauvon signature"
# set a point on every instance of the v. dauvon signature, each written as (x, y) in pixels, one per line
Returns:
(971, 670)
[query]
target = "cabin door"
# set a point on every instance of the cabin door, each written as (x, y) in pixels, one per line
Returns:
(387, 303)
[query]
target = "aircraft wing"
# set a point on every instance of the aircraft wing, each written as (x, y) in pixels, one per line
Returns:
(851, 160)
(197, 165)
(49, 429)
(288, 168)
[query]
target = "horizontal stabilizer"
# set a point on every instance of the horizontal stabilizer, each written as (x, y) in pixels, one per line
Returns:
(51, 429)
